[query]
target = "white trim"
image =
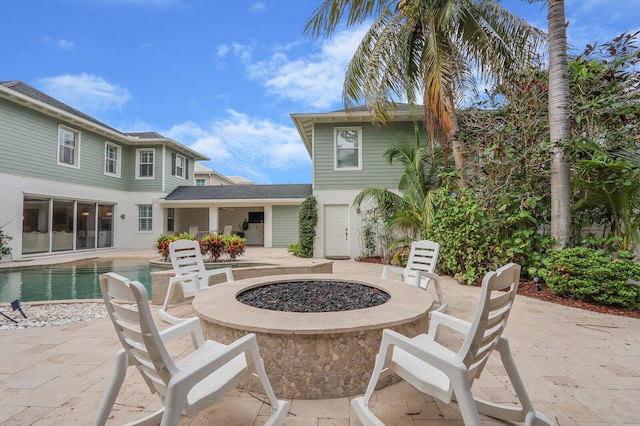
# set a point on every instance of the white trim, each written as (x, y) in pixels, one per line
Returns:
(76, 149)
(118, 160)
(336, 130)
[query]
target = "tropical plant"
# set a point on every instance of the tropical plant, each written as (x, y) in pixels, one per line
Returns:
(236, 246)
(4, 242)
(408, 215)
(429, 50)
(162, 245)
(214, 245)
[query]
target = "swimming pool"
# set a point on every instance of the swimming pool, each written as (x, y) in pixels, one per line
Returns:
(75, 280)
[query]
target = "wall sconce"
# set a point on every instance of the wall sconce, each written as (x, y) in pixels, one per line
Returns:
(123, 216)
(358, 210)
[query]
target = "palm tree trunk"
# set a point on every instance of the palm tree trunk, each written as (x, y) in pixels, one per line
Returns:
(559, 124)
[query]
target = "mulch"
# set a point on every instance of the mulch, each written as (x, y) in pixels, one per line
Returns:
(528, 289)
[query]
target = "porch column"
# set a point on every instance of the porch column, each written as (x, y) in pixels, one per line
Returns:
(213, 219)
(268, 226)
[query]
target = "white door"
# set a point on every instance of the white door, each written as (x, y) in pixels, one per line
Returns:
(336, 231)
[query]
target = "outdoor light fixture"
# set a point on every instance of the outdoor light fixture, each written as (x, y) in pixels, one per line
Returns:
(123, 216)
(536, 280)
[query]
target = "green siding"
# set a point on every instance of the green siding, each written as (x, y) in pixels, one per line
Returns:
(171, 181)
(376, 170)
(29, 144)
(285, 225)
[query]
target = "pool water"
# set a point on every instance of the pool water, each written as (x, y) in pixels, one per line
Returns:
(76, 280)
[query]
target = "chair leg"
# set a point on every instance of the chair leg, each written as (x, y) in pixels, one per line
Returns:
(525, 413)
(120, 371)
(361, 404)
(174, 404)
(162, 312)
(464, 397)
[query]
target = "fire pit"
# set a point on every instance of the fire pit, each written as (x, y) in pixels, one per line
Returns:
(314, 355)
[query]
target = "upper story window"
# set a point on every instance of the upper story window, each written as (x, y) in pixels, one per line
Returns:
(68, 147)
(179, 166)
(111, 159)
(348, 148)
(144, 163)
(145, 217)
(201, 182)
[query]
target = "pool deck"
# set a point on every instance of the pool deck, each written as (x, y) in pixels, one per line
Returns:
(579, 368)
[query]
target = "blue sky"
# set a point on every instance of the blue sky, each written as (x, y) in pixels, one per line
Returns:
(221, 77)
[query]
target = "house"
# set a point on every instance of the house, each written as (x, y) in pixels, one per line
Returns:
(347, 153)
(206, 176)
(70, 183)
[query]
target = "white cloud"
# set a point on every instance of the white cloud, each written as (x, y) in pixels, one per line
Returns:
(61, 43)
(88, 93)
(242, 145)
(258, 7)
(315, 80)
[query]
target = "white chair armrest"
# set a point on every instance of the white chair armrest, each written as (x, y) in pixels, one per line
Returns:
(218, 271)
(441, 319)
(188, 326)
(387, 268)
(428, 351)
(196, 373)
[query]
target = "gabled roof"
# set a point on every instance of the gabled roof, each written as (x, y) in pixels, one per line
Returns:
(240, 192)
(304, 121)
(30, 97)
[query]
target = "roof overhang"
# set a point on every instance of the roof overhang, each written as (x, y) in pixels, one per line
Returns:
(304, 122)
(44, 108)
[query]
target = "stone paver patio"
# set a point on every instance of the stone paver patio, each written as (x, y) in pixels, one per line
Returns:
(579, 367)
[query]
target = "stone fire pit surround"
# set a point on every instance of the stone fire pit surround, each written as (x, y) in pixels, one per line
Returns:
(314, 355)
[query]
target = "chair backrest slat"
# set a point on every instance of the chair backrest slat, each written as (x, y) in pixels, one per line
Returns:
(498, 292)
(136, 330)
(186, 257)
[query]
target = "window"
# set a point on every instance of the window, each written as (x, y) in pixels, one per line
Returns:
(68, 147)
(348, 155)
(144, 163)
(171, 220)
(200, 182)
(179, 166)
(145, 222)
(111, 159)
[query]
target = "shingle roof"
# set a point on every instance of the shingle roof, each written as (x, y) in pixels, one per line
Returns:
(34, 93)
(240, 192)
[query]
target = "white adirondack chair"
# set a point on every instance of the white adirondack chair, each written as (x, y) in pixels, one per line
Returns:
(420, 269)
(199, 380)
(191, 275)
(444, 374)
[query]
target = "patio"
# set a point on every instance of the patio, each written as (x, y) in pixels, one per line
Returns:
(579, 367)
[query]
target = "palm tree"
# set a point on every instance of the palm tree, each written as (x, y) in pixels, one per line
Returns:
(428, 49)
(410, 213)
(559, 124)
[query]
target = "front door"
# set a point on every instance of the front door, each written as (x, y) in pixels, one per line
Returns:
(336, 229)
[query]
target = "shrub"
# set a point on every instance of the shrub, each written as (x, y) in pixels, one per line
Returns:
(215, 245)
(162, 245)
(295, 249)
(308, 219)
(593, 276)
(235, 245)
(4, 242)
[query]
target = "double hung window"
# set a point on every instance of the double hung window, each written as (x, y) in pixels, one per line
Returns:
(68, 147)
(145, 163)
(348, 148)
